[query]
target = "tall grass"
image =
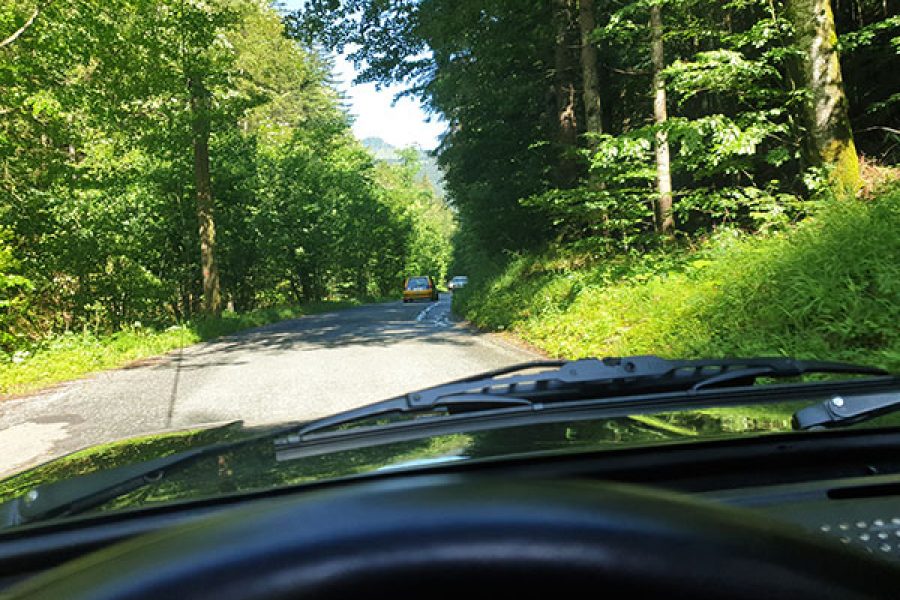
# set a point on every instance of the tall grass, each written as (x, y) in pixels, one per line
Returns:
(828, 288)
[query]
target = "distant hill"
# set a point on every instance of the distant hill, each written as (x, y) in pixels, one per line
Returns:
(381, 150)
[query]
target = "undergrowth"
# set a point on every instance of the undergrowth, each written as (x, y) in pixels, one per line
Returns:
(826, 288)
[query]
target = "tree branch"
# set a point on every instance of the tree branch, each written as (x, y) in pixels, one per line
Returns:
(23, 28)
(880, 128)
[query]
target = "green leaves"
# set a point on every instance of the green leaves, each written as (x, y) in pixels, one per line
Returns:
(721, 71)
(96, 170)
(43, 104)
(870, 34)
(14, 288)
(717, 144)
(96, 161)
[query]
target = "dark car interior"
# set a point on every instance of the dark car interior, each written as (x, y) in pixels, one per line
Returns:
(812, 515)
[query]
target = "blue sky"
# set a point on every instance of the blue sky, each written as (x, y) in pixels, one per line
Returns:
(402, 124)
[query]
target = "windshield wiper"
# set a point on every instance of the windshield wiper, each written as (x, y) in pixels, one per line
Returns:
(79, 494)
(586, 379)
(842, 411)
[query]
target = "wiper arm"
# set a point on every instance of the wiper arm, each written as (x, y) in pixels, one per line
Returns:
(402, 405)
(636, 374)
(78, 494)
(841, 411)
(580, 380)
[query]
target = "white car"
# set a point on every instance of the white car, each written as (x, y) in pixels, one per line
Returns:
(457, 282)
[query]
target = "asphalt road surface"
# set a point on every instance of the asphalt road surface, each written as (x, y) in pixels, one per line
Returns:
(289, 371)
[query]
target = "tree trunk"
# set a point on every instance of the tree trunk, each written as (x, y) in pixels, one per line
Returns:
(593, 108)
(665, 222)
(829, 140)
(212, 301)
(566, 96)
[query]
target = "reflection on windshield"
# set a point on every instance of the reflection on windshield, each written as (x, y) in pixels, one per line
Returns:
(255, 467)
(110, 456)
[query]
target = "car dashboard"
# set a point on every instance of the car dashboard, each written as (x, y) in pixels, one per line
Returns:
(838, 487)
(860, 512)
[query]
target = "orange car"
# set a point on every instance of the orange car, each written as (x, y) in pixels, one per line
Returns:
(419, 288)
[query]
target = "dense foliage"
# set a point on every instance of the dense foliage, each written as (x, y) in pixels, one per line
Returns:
(559, 109)
(659, 176)
(119, 117)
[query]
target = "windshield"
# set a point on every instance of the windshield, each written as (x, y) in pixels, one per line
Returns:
(223, 217)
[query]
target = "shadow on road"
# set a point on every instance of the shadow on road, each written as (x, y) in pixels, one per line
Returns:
(385, 325)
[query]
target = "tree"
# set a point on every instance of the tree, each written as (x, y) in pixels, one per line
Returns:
(12, 293)
(830, 136)
(205, 63)
(212, 299)
(133, 132)
(665, 222)
(593, 109)
(565, 66)
(723, 124)
(869, 38)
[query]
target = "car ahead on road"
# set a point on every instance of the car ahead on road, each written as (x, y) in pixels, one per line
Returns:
(420, 288)
(458, 282)
(637, 476)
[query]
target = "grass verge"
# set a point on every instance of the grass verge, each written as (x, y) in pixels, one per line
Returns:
(73, 355)
(828, 288)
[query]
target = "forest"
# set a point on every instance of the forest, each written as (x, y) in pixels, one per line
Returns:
(161, 160)
(606, 123)
(679, 177)
(165, 160)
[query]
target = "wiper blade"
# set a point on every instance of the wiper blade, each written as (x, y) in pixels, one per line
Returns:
(582, 379)
(842, 411)
(81, 493)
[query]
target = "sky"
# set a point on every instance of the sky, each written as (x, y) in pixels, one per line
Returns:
(375, 114)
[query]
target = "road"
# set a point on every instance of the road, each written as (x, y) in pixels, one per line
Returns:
(288, 371)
